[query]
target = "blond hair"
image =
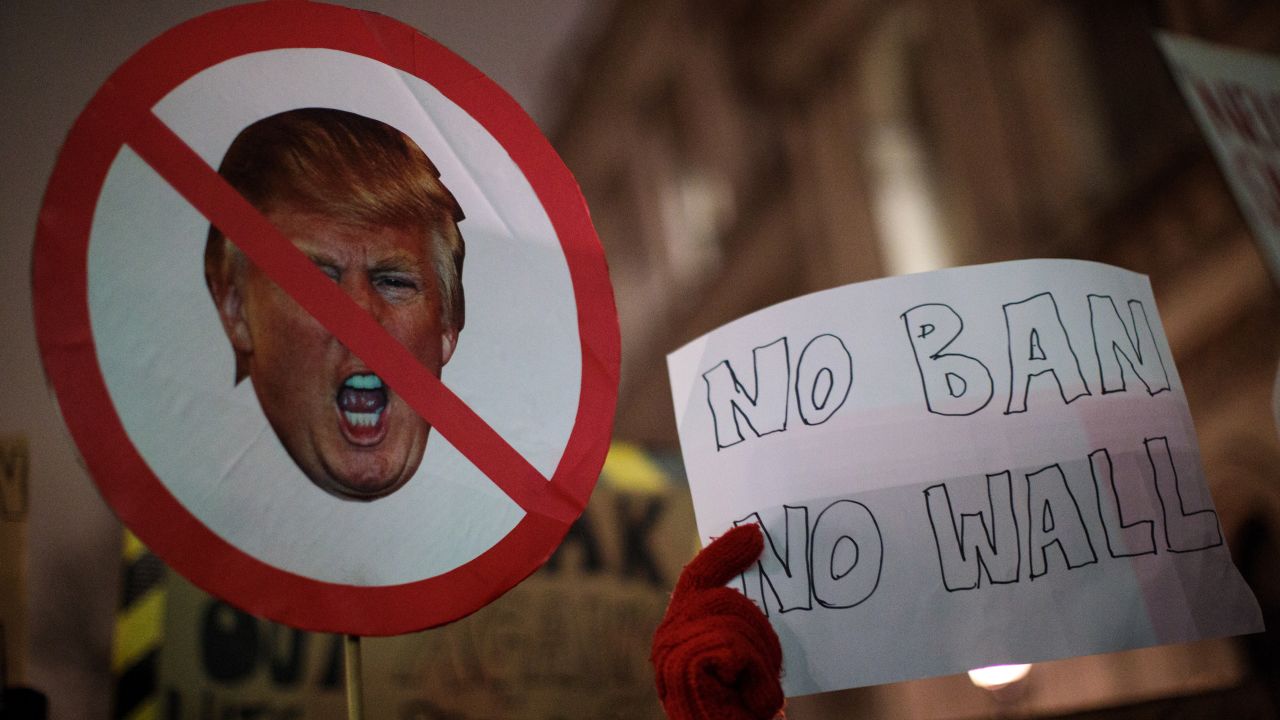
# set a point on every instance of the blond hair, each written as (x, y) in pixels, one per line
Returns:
(351, 168)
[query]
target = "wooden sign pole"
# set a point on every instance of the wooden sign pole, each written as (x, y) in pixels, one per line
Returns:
(354, 677)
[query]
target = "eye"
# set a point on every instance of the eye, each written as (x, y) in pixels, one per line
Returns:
(396, 286)
(396, 282)
(331, 270)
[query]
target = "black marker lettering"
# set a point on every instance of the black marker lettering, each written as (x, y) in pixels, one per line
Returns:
(954, 383)
(763, 407)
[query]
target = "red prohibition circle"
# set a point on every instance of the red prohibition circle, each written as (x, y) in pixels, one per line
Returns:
(121, 114)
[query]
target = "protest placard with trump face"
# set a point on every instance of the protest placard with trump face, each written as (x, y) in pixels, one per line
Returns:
(244, 441)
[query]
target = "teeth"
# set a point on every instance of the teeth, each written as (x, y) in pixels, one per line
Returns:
(359, 419)
(367, 381)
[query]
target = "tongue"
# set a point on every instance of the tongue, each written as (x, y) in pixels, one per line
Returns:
(361, 401)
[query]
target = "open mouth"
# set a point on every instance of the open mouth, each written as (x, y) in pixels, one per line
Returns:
(362, 404)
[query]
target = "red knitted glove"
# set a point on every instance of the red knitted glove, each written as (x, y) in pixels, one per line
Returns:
(715, 656)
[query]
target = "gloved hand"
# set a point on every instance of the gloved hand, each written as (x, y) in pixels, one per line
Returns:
(715, 656)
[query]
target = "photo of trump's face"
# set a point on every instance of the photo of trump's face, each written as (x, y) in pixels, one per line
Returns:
(367, 206)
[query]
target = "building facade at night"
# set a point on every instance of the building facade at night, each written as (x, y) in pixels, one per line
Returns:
(736, 155)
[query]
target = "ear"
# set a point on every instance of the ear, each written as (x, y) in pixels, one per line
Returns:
(228, 297)
(448, 341)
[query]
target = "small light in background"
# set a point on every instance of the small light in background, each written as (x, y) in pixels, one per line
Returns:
(998, 676)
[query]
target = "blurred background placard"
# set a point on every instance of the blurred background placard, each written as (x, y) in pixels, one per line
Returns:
(1235, 96)
(572, 641)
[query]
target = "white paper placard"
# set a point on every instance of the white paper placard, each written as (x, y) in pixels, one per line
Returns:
(956, 469)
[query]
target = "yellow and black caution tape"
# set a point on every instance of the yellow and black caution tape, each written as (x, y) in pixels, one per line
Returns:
(135, 652)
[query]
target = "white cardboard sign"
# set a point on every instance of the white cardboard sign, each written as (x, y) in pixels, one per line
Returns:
(956, 469)
(1235, 97)
(447, 487)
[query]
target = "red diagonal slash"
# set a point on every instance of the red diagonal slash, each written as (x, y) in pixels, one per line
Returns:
(289, 268)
